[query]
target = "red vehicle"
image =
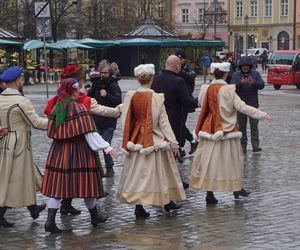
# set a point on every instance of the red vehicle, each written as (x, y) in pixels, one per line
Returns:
(284, 68)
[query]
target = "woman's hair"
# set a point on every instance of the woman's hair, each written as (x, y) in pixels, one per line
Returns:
(219, 74)
(144, 78)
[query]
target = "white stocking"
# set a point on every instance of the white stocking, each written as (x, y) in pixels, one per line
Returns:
(53, 203)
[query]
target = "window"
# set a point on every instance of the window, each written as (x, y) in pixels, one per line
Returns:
(284, 6)
(268, 8)
(184, 15)
(201, 15)
(253, 8)
(239, 8)
(160, 10)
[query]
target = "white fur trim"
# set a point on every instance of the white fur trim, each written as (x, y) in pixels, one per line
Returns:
(219, 135)
(134, 147)
(164, 146)
(146, 151)
(232, 135)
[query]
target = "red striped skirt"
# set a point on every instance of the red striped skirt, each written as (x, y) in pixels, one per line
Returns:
(72, 170)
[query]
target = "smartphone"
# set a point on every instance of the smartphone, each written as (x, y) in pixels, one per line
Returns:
(245, 76)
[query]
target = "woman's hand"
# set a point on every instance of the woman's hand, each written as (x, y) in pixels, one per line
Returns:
(175, 149)
(268, 117)
(113, 153)
(3, 131)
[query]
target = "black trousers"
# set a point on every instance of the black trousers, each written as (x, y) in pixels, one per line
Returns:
(242, 121)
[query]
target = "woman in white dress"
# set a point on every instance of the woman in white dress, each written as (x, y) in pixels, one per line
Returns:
(218, 162)
(150, 175)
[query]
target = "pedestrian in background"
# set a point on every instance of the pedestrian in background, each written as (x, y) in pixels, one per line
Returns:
(108, 93)
(150, 175)
(206, 61)
(77, 72)
(72, 160)
(188, 74)
(218, 161)
(264, 60)
(19, 177)
(248, 81)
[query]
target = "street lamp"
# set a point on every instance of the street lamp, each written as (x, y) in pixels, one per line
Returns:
(246, 23)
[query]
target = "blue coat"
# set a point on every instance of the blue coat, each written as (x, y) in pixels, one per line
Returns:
(176, 98)
(248, 93)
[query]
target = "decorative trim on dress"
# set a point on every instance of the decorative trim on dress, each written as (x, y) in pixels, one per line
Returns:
(219, 135)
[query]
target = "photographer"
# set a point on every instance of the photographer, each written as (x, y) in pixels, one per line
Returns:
(248, 81)
(106, 91)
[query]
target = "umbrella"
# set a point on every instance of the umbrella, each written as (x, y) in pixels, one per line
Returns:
(70, 44)
(96, 43)
(37, 44)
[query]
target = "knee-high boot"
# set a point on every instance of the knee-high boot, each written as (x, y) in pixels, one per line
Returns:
(97, 217)
(50, 225)
(3, 221)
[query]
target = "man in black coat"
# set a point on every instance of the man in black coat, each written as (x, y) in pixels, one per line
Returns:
(106, 91)
(176, 94)
(188, 74)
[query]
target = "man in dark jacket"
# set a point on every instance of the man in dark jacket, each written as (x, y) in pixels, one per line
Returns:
(107, 92)
(188, 74)
(248, 82)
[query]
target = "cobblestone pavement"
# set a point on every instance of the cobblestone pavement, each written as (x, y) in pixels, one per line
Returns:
(267, 219)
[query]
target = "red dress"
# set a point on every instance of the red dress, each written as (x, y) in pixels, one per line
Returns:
(72, 168)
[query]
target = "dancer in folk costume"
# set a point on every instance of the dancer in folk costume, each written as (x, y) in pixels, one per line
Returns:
(218, 161)
(72, 165)
(77, 72)
(150, 175)
(19, 177)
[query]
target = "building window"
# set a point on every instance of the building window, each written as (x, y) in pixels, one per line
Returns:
(239, 8)
(160, 10)
(201, 15)
(268, 8)
(253, 8)
(184, 15)
(284, 6)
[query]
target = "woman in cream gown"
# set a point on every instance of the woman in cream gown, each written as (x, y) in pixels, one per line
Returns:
(150, 175)
(218, 162)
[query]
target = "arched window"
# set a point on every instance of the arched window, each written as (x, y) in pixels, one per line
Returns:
(283, 41)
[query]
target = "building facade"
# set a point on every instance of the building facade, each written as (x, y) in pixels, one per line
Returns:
(261, 23)
(297, 24)
(201, 19)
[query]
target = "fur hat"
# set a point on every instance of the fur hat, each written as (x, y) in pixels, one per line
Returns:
(73, 71)
(224, 66)
(147, 69)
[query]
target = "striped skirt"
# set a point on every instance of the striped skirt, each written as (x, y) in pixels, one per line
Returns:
(72, 170)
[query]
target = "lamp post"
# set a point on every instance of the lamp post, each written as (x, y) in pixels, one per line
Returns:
(246, 26)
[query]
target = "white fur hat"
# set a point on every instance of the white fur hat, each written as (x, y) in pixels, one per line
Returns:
(147, 69)
(224, 66)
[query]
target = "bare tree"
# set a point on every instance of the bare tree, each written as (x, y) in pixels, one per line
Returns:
(8, 14)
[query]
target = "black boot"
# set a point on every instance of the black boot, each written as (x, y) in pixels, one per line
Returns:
(185, 185)
(50, 225)
(109, 172)
(140, 212)
(3, 221)
(242, 192)
(171, 206)
(35, 210)
(67, 208)
(210, 198)
(97, 217)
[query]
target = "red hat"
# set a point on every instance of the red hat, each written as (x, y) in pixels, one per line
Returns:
(73, 71)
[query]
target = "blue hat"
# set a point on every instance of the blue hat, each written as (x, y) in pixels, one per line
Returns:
(11, 74)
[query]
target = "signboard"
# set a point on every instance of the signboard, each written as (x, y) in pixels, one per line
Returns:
(41, 9)
(43, 25)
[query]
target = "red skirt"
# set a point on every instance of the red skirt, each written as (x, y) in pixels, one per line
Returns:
(72, 170)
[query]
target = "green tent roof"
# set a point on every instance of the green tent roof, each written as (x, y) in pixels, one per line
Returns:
(10, 43)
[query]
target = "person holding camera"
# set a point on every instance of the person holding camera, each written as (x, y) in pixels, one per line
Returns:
(248, 81)
(106, 91)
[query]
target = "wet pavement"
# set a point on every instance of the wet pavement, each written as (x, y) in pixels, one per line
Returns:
(268, 219)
